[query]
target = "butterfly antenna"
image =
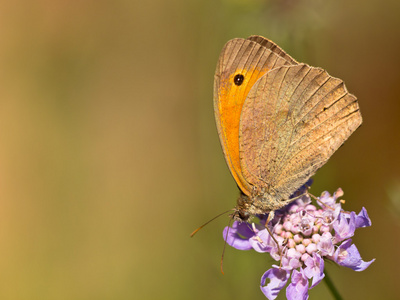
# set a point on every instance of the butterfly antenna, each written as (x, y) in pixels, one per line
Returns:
(194, 232)
(223, 250)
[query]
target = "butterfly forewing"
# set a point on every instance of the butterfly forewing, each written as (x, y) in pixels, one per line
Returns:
(251, 60)
(294, 118)
(273, 47)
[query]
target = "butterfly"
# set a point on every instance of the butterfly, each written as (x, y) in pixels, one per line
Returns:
(278, 121)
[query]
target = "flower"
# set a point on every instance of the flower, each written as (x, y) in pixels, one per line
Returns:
(306, 236)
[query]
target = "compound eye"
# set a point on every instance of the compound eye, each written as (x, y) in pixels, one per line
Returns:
(244, 216)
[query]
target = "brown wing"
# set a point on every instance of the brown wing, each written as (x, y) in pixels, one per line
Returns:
(293, 120)
(273, 47)
(252, 60)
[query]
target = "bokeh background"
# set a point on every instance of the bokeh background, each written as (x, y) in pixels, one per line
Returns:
(109, 155)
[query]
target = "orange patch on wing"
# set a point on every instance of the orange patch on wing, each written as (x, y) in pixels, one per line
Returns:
(231, 99)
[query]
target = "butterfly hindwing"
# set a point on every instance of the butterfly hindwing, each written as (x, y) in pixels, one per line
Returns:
(294, 118)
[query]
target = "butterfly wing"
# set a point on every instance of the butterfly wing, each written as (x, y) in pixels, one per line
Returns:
(293, 120)
(251, 58)
(273, 47)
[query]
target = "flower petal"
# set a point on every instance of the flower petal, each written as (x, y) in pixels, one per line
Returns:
(314, 269)
(344, 226)
(238, 236)
(325, 245)
(362, 219)
(278, 277)
(298, 288)
(262, 242)
(347, 255)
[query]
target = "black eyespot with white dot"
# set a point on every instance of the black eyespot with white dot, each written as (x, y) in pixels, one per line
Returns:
(238, 79)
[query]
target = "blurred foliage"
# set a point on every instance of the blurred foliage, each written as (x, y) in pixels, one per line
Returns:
(110, 157)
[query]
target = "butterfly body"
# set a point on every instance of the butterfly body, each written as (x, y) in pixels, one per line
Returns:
(278, 121)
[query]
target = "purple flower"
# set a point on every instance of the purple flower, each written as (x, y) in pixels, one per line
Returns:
(238, 236)
(362, 219)
(306, 236)
(298, 288)
(347, 255)
(263, 242)
(278, 277)
(325, 244)
(314, 269)
(345, 226)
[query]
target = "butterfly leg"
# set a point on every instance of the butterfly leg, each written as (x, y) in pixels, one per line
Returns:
(271, 216)
(290, 200)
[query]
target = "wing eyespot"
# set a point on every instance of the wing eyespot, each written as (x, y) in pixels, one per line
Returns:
(238, 79)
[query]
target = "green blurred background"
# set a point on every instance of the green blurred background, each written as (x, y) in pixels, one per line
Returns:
(109, 155)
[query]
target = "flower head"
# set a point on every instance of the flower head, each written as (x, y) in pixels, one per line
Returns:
(306, 236)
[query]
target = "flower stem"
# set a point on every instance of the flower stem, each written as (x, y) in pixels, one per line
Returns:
(331, 287)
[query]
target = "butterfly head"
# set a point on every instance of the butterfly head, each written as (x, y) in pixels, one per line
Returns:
(245, 209)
